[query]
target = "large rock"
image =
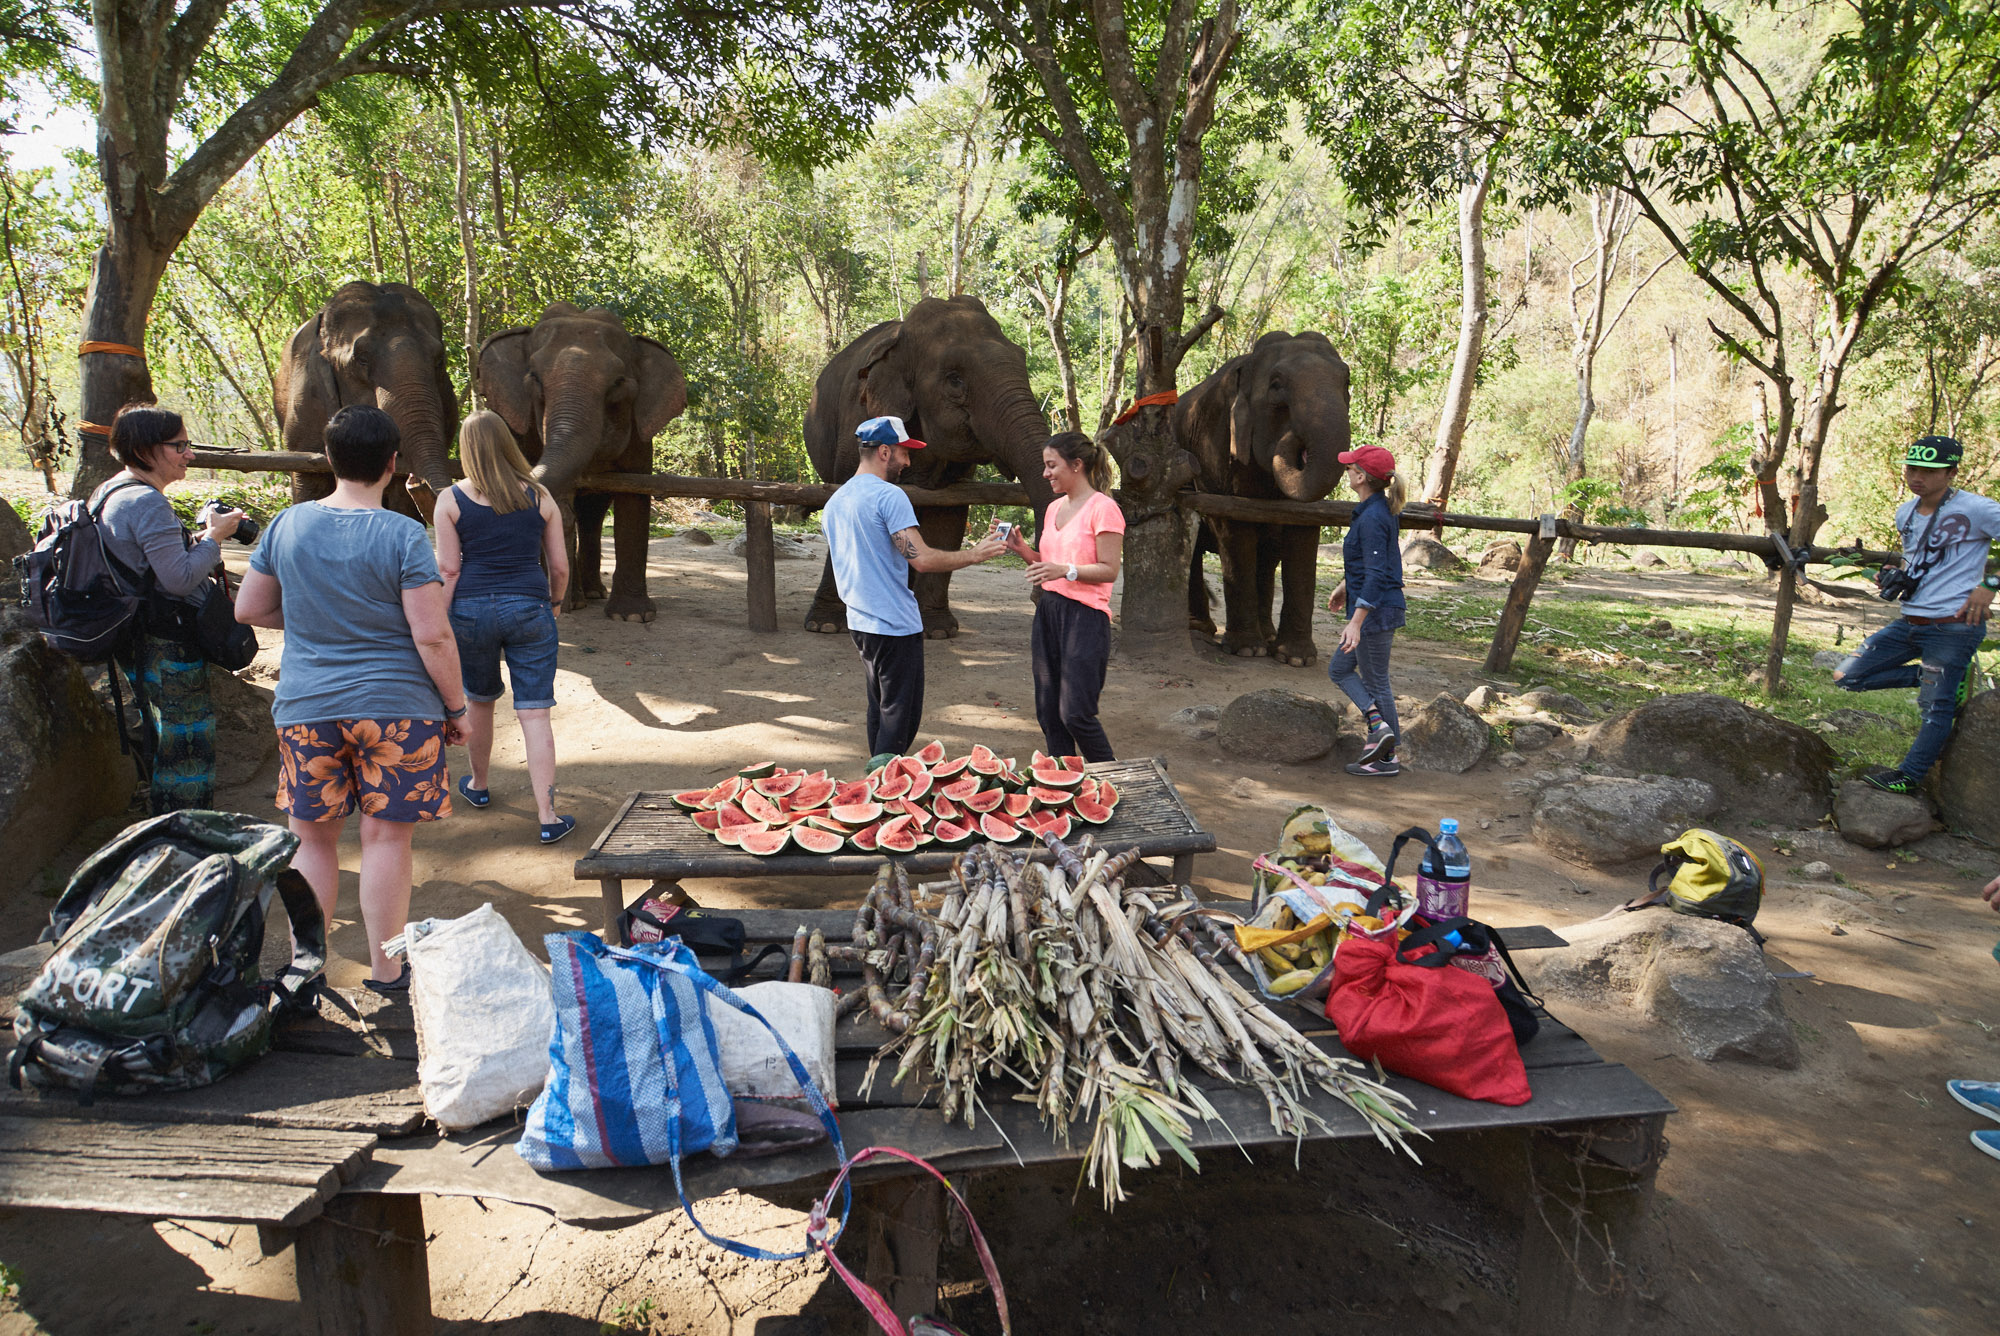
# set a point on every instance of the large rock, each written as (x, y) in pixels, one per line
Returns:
(245, 738)
(1443, 735)
(1533, 735)
(1197, 722)
(1278, 725)
(1502, 555)
(1705, 980)
(1969, 772)
(1604, 822)
(783, 547)
(1424, 551)
(1877, 820)
(14, 540)
(60, 766)
(1759, 765)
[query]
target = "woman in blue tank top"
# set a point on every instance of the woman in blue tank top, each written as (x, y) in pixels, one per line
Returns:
(496, 532)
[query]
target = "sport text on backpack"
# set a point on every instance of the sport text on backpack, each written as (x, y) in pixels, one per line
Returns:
(154, 983)
(1709, 875)
(78, 595)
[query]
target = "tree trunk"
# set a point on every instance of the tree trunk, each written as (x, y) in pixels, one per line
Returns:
(462, 202)
(1471, 334)
(1577, 462)
(1055, 314)
(123, 282)
(1158, 533)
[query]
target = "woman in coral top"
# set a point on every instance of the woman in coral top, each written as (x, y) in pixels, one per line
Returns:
(1082, 536)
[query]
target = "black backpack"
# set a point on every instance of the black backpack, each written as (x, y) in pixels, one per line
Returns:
(85, 602)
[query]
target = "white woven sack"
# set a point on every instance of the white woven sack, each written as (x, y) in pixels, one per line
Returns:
(484, 1017)
(752, 1066)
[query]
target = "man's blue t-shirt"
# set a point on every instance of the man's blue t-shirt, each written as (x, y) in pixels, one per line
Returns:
(348, 649)
(873, 577)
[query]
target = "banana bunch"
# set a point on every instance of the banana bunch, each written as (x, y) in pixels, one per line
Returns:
(1293, 965)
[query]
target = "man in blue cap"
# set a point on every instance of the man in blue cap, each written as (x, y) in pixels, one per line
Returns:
(873, 542)
(1946, 596)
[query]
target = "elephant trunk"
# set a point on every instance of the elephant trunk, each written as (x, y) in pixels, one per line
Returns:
(571, 433)
(1022, 431)
(1305, 460)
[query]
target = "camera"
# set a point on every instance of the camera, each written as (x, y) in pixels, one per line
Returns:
(1895, 584)
(246, 531)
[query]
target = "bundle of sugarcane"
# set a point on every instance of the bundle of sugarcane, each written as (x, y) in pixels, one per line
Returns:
(1091, 997)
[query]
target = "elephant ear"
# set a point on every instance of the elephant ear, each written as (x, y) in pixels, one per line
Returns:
(663, 391)
(882, 389)
(308, 390)
(1230, 398)
(504, 384)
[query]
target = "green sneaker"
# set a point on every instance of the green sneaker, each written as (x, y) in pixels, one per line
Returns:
(1890, 781)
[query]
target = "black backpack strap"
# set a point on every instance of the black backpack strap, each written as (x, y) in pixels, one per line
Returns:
(737, 974)
(306, 975)
(1655, 893)
(1387, 891)
(23, 1054)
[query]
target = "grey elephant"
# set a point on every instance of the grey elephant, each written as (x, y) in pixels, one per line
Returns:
(1268, 424)
(380, 344)
(960, 386)
(582, 393)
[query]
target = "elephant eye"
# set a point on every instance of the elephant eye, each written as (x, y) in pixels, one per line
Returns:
(621, 391)
(955, 380)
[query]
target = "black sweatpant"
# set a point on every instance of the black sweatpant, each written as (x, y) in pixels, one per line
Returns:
(895, 667)
(1071, 645)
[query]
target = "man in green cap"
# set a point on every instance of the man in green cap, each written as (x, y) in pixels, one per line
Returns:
(1946, 595)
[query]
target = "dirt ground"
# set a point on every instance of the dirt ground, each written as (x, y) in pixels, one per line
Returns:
(1841, 1197)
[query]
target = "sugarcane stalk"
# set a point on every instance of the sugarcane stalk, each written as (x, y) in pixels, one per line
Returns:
(796, 973)
(819, 968)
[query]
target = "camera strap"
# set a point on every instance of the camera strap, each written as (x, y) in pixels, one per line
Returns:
(1924, 552)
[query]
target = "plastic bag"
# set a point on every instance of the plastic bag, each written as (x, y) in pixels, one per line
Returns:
(752, 1065)
(484, 1017)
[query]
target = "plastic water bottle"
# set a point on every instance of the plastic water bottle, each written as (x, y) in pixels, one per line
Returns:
(1445, 891)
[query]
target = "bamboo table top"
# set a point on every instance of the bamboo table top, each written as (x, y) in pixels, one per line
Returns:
(652, 837)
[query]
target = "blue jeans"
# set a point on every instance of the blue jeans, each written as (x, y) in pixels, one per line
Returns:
(1932, 659)
(1364, 675)
(517, 625)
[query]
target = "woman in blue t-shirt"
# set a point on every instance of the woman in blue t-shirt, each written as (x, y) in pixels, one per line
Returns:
(495, 532)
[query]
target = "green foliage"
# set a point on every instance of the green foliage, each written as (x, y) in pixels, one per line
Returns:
(1718, 494)
(1599, 501)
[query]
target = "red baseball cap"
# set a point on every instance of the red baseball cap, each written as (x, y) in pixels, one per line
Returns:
(1373, 460)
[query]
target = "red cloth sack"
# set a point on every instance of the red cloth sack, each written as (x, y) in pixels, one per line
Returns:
(1444, 1027)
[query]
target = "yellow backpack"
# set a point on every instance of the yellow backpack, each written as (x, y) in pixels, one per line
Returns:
(1709, 875)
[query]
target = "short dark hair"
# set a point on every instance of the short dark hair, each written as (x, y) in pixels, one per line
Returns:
(138, 432)
(360, 442)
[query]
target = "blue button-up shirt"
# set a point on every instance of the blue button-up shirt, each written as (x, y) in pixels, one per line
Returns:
(1373, 556)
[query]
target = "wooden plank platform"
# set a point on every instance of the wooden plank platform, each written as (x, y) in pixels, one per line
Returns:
(652, 837)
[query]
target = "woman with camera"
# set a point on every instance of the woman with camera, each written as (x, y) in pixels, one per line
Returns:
(1082, 538)
(167, 671)
(495, 532)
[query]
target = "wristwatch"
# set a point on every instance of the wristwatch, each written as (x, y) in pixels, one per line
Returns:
(1991, 582)
(1072, 573)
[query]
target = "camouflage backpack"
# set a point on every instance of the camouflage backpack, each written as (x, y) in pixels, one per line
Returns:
(154, 981)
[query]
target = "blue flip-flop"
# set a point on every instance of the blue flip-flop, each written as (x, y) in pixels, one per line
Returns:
(560, 827)
(477, 797)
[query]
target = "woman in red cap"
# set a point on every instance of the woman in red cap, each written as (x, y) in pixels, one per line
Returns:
(1373, 587)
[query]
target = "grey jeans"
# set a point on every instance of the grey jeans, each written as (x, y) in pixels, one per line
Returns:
(1364, 675)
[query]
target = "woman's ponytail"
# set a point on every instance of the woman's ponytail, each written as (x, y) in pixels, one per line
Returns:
(1398, 492)
(1076, 448)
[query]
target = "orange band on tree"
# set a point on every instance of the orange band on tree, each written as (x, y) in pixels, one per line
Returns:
(98, 346)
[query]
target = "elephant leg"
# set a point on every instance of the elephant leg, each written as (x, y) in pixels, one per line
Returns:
(586, 572)
(1298, 547)
(1199, 618)
(1236, 544)
(631, 514)
(943, 528)
(828, 615)
(311, 486)
(1267, 580)
(566, 505)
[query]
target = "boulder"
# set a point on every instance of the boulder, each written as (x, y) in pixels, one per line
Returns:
(1646, 557)
(244, 736)
(15, 539)
(783, 547)
(698, 537)
(1602, 822)
(1532, 735)
(1877, 820)
(1705, 980)
(1555, 702)
(1759, 765)
(1968, 787)
(1829, 658)
(1484, 697)
(1277, 725)
(1502, 554)
(1427, 552)
(1510, 760)
(60, 767)
(1196, 722)
(1724, 567)
(1443, 735)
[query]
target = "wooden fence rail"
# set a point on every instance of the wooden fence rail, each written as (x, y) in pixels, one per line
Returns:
(759, 496)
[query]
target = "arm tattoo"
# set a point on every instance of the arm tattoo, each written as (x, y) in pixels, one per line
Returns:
(907, 546)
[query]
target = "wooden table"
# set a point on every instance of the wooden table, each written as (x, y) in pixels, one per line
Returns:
(651, 837)
(321, 1144)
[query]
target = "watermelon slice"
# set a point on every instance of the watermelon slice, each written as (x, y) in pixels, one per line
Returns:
(728, 791)
(1107, 793)
(920, 784)
(761, 770)
(853, 791)
(1054, 777)
(893, 784)
(816, 841)
(763, 809)
(1011, 778)
(948, 769)
(820, 822)
(986, 800)
(999, 829)
(1049, 797)
(797, 817)
(1089, 809)
(899, 835)
(960, 790)
(729, 814)
(944, 809)
(811, 793)
(764, 843)
(708, 821)
(984, 761)
(865, 838)
(1016, 805)
(694, 800)
(733, 835)
(778, 785)
(856, 814)
(904, 807)
(1040, 824)
(950, 832)
(931, 755)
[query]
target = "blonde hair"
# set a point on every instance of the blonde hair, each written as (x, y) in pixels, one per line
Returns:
(1393, 487)
(1076, 448)
(494, 464)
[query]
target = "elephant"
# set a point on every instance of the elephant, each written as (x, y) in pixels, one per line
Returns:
(379, 344)
(961, 387)
(581, 393)
(1268, 424)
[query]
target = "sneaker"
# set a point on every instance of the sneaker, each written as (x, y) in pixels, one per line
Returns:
(1375, 769)
(558, 828)
(1988, 1141)
(1890, 781)
(477, 797)
(1380, 745)
(1979, 1096)
(395, 987)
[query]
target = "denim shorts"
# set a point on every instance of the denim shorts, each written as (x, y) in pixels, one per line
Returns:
(517, 625)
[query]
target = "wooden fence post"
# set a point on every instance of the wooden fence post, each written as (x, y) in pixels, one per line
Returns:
(762, 561)
(1514, 614)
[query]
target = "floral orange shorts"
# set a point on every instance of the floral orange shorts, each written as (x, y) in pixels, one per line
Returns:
(393, 769)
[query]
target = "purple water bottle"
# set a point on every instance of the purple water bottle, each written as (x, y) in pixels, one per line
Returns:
(1445, 890)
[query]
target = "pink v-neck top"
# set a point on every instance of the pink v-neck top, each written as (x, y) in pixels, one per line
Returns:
(1076, 543)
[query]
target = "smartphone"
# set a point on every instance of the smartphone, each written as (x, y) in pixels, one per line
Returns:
(1005, 529)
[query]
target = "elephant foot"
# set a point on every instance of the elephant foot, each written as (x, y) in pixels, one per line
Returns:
(1295, 654)
(626, 608)
(594, 594)
(1203, 625)
(1250, 652)
(1244, 645)
(941, 633)
(824, 628)
(940, 626)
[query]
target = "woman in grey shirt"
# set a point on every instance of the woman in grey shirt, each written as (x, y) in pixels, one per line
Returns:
(146, 536)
